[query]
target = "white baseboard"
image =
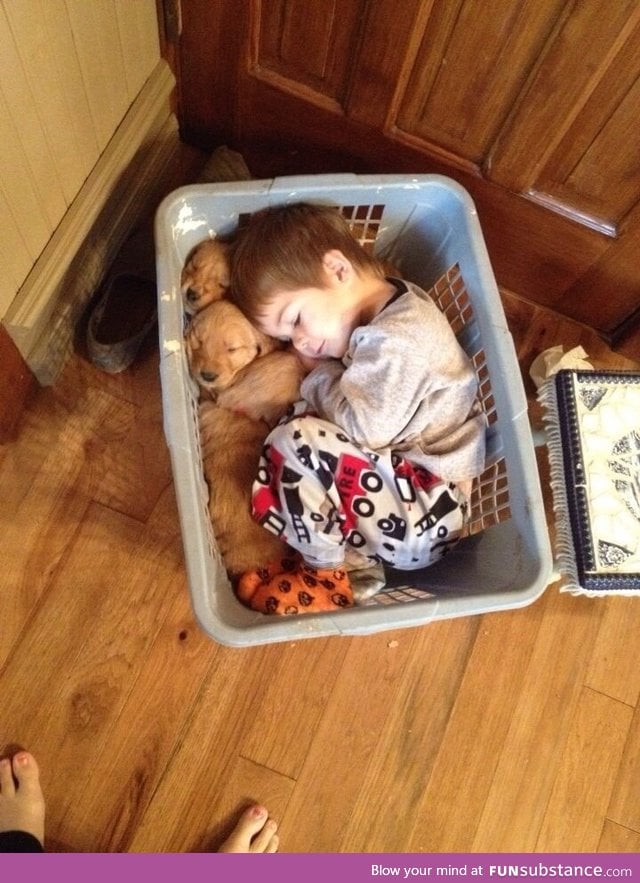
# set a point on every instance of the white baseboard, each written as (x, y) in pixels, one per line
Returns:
(124, 186)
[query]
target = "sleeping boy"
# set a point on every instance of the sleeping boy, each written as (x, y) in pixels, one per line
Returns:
(379, 456)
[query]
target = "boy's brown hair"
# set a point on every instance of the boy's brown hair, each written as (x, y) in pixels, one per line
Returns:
(282, 249)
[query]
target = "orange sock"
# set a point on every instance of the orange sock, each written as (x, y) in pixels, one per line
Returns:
(290, 586)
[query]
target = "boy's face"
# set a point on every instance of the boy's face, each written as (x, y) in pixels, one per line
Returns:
(317, 321)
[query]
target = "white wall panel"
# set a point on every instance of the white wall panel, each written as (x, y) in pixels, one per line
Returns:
(69, 71)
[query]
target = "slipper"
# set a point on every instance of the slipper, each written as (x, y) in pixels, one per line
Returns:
(124, 314)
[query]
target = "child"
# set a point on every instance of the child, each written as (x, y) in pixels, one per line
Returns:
(379, 456)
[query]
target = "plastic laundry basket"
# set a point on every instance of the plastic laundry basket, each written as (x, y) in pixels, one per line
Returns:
(427, 226)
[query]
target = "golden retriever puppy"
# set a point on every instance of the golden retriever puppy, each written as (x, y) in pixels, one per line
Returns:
(251, 382)
(231, 445)
(232, 433)
(220, 341)
(206, 274)
(265, 388)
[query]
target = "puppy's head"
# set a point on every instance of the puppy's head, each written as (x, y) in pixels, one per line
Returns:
(205, 276)
(220, 341)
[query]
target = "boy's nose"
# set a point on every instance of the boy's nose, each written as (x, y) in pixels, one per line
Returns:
(299, 339)
(305, 347)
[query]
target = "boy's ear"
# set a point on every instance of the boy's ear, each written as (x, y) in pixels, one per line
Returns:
(337, 265)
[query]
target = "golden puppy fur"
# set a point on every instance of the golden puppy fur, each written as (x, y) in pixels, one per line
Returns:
(206, 275)
(220, 341)
(232, 433)
(231, 446)
(264, 389)
(251, 383)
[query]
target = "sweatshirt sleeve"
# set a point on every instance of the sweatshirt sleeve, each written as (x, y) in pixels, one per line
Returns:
(405, 370)
(365, 399)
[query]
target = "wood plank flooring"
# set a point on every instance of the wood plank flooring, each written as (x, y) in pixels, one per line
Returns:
(517, 731)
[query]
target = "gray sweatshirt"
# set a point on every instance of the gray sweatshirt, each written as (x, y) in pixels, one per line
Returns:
(406, 384)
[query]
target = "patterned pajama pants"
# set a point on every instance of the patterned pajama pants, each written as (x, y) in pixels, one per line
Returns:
(324, 494)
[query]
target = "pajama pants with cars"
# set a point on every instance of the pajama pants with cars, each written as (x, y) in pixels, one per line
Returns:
(323, 494)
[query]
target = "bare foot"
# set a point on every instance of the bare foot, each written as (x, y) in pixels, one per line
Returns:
(21, 805)
(254, 832)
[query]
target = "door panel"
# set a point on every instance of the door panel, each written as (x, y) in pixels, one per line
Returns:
(309, 45)
(534, 109)
(491, 55)
(566, 127)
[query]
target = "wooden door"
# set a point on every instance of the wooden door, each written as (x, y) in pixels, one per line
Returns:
(533, 105)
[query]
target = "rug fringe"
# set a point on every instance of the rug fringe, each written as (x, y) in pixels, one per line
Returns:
(565, 553)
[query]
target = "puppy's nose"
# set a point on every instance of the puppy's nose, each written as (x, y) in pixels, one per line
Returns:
(192, 295)
(208, 376)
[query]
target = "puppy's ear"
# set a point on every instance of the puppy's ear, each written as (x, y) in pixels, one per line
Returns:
(224, 277)
(264, 343)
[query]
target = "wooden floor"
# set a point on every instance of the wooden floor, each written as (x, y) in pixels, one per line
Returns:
(517, 731)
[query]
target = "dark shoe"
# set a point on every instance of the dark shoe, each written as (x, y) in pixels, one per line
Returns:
(120, 321)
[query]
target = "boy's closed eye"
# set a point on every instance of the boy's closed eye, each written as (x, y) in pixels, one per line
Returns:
(294, 323)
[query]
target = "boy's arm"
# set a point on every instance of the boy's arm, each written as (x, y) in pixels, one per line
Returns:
(408, 375)
(375, 398)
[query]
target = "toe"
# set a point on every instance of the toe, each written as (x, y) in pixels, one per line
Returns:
(251, 822)
(249, 827)
(27, 772)
(266, 840)
(7, 785)
(22, 801)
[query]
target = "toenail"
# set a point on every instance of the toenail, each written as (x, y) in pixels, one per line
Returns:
(259, 812)
(22, 759)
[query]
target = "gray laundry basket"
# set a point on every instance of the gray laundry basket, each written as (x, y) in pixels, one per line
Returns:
(427, 226)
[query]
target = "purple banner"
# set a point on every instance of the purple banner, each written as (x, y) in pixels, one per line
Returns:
(282, 868)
